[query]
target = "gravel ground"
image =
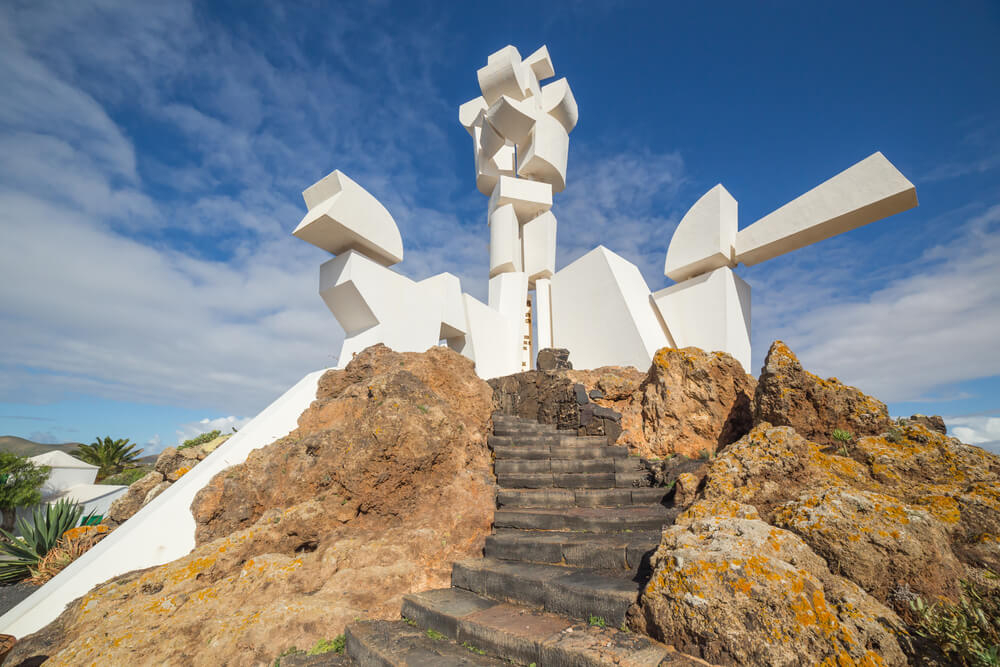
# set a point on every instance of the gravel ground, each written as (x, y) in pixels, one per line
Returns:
(11, 595)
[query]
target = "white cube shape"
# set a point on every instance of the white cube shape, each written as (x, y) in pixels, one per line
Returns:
(602, 313)
(538, 238)
(468, 113)
(344, 216)
(529, 198)
(868, 191)
(505, 241)
(448, 288)
(491, 341)
(541, 63)
(512, 119)
(490, 141)
(558, 101)
(710, 311)
(504, 74)
(489, 171)
(543, 308)
(704, 238)
(545, 155)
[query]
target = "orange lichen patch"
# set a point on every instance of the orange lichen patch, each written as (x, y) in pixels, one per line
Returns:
(869, 659)
(85, 532)
(180, 472)
(190, 570)
(716, 507)
(943, 508)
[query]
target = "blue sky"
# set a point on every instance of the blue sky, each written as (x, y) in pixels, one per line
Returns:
(153, 156)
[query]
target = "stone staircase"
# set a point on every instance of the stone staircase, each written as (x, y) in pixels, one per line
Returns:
(573, 532)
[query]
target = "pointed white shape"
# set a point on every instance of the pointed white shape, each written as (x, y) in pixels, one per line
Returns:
(868, 191)
(545, 155)
(704, 238)
(558, 101)
(710, 311)
(504, 74)
(468, 113)
(344, 216)
(529, 198)
(505, 241)
(491, 340)
(543, 306)
(490, 141)
(539, 241)
(512, 119)
(602, 313)
(541, 63)
(446, 290)
(489, 171)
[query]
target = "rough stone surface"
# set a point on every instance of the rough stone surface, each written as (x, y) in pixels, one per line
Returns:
(730, 588)
(553, 359)
(934, 422)
(134, 499)
(385, 483)
(788, 395)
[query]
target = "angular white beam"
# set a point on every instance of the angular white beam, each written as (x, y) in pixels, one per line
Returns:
(543, 306)
(489, 171)
(512, 119)
(541, 63)
(529, 198)
(705, 236)
(504, 74)
(468, 113)
(448, 291)
(544, 157)
(505, 241)
(344, 216)
(558, 101)
(602, 313)
(539, 242)
(710, 311)
(870, 190)
(490, 341)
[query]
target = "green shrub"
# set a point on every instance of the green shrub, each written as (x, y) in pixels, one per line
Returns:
(111, 456)
(37, 539)
(967, 632)
(840, 435)
(200, 439)
(20, 484)
(597, 621)
(128, 476)
(335, 645)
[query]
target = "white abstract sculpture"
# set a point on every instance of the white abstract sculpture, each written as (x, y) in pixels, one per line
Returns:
(599, 306)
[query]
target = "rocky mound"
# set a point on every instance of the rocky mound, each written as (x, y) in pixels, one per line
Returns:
(385, 483)
(791, 552)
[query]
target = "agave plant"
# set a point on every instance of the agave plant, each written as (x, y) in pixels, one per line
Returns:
(109, 455)
(37, 539)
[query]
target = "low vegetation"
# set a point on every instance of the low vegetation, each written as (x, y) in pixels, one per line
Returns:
(128, 476)
(110, 456)
(967, 632)
(37, 539)
(200, 439)
(20, 485)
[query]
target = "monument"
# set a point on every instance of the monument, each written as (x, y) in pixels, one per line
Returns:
(598, 307)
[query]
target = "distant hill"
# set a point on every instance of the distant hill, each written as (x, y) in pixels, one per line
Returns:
(24, 447)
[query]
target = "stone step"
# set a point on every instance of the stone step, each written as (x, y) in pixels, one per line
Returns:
(507, 466)
(587, 519)
(553, 498)
(529, 480)
(574, 592)
(617, 551)
(400, 644)
(526, 636)
(552, 439)
(559, 452)
(509, 430)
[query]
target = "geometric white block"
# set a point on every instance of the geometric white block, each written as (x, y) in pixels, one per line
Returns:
(544, 157)
(489, 171)
(558, 101)
(529, 198)
(602, 313)
(710, 311)
(504, 74)
(541, 64)
(538, 238)
(469, 112)
(508, 295)
(344, 216)
(868, 191)
(490, 141)
(705, 236)
(511, 118)
(505, 241)
(447, 288)
(491, 341)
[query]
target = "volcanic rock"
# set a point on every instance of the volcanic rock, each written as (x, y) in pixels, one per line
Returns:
(385, 483)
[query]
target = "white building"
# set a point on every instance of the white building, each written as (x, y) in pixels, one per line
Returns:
(73, 480)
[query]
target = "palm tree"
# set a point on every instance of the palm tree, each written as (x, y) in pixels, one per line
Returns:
(111, 456)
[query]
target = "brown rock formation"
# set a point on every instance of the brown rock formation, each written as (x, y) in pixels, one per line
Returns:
(788, 395)
(386, 482)
(731, 589)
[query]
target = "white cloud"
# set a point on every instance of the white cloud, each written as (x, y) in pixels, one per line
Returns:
(206, 425)
(981, 430)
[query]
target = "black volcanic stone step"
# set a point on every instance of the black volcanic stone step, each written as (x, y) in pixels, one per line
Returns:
(587, 519)
(527, 480)
(619, 551)
(399, 644)
(552, 498)
(633, 479)
(558, 452)
(528, 636)
(606, 465)
(575, 592)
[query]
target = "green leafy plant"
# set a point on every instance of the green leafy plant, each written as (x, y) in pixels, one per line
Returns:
(434, 634)
(111, 456)
(335, 645)
(200, 439)
(128, 476)
(37, 539)
(968, 632)
(894, 436)
(843, 437)
(20, 484)
(597, 621)
(474, 649)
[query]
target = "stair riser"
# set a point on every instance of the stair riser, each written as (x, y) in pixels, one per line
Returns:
(561, 452)
(510, 466)
(529, 521)
(364, 655)
(580, 554)
(557, 480)
(558, 498)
